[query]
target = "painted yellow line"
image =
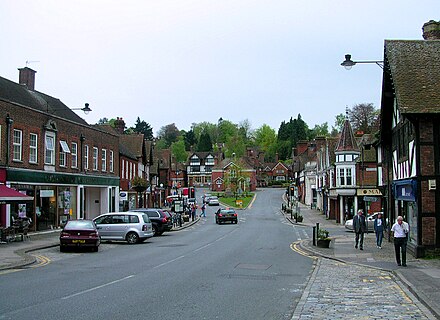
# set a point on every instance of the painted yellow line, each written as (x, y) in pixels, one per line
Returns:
(41, 261)
(294, 246)
(252, 202)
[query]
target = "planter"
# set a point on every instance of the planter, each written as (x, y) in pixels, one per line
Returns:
(299, 219)
(185, 218)
(323, 243)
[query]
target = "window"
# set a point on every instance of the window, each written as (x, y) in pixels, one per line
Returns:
(104, 159)
(49, 156)
(74, 155)
(86, 158)
(95, 158)
(62, 158)
(123, 169)
(64, 148)
(33, 148)
(111, 161)
(349, 157)
(348, 179)
(341, 177)
(18, 144)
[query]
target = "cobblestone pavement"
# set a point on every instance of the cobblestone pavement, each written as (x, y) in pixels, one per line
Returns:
(337, 290)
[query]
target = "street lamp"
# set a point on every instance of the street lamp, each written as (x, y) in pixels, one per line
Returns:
(86, 109)
(348, 63)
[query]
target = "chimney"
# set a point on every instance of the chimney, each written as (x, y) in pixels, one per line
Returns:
(431, 30)
(120, 125)
(301, 146)
(276, 157)
(27, 77)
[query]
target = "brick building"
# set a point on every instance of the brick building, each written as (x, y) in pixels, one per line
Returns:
(408, 150)
(51, 154)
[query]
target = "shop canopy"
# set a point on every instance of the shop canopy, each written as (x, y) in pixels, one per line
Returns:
(9, 195)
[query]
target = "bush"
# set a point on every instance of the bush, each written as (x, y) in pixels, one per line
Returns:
(323, 234)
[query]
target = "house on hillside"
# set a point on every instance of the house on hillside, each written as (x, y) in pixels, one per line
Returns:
(234, 175)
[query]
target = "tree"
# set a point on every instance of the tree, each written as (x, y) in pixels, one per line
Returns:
(144, 128)
(190, 139)
(178, 151)
(339, 124)
(319, 131)
(103, 121)
(245, 129)
(235, 145)
(226, 129)
(205, 143)
(364, 117)
(169, 134)
(289, 134)
(266, 139)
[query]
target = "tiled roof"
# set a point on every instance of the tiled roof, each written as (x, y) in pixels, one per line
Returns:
(133, 142)
(415, 70)
(347, 141)
(16, 93)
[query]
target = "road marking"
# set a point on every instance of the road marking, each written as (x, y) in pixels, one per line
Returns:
(9, 271)
(296, 248)
(96, 288)
(41, 261)
(168, 262)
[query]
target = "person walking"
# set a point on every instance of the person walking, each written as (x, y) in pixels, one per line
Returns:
(203, 214)
(359, 227)
(379, 227)
(400, 231)
(193, 212)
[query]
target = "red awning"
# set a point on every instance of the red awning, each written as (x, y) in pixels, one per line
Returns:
(8, 194)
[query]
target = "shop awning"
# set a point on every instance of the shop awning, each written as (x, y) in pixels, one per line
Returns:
(8, 195)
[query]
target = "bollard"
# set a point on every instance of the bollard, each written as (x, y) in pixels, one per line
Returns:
(314, 236)
(317, 229)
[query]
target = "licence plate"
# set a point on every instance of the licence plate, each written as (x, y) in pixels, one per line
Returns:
(78, 241)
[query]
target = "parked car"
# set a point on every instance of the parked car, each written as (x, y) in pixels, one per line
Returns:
(130, 226)
(162, 220)
(225, 215)
(213, 201)
(370, 222)
(79, 233)
(206, 197)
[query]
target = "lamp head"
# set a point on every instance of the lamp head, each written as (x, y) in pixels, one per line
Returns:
(348, 63)
(86, 109)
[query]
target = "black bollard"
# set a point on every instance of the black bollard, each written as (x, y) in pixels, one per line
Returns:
(314, 236)
(317, 229)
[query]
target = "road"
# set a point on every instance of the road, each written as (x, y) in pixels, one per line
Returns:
(208, 271)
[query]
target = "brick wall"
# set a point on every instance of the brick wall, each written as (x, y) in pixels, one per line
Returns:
(429, 231)
(31, 121)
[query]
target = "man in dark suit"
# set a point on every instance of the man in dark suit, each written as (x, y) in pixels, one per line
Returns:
(359, 227)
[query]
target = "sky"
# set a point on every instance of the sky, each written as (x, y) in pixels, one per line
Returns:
(190, 61)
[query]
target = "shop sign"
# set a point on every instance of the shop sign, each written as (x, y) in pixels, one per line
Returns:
(123, 196)
(405, 190)
(46, 193)
(371, 199)
(369, 192)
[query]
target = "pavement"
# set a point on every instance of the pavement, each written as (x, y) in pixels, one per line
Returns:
(421, 277)
(18, 254)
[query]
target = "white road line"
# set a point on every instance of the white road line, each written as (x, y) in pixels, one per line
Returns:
(168, 262)
(96, 288)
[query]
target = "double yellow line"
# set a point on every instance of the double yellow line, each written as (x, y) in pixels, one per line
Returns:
(295, 246)
(41, 261)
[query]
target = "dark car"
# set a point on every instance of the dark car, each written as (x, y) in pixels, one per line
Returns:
(162, 220)
(79, 233)
(224, 215)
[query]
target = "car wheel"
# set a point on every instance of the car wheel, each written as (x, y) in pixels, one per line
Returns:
(132, 237)
(155, 231)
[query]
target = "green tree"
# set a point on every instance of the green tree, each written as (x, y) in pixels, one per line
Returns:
(169, 134)
(205, 143)
(190, 139)
(319, 131)
(339, 123)
(266, 139)
(226, 129)
(178, 151)
(144, 128)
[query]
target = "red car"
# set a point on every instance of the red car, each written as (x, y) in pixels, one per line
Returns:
(79, 233)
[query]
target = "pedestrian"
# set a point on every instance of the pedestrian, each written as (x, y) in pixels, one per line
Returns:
(193, 212)
(400, 231)
(379, 227)
(203, 210)
(359, 227)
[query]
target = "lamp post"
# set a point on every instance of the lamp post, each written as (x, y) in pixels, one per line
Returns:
(348, 63)
(86, 109)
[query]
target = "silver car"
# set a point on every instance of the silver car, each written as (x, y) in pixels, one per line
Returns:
(130, 226)
(369, 221)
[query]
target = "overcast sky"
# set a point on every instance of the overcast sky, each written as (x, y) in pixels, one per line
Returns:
(188, 61)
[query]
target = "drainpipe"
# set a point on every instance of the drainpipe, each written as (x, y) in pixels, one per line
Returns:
(9, 123)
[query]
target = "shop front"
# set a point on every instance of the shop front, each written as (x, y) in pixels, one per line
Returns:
(405, 205)
(61, 197)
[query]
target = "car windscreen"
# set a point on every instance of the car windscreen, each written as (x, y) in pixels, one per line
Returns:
(146, 218)
(79, 224)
